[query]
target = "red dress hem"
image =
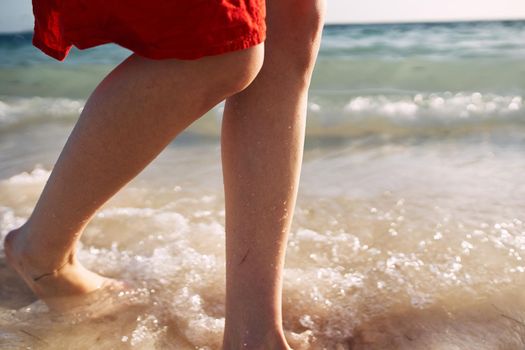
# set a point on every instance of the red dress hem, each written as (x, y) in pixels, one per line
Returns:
(241, 43)
(162, 29)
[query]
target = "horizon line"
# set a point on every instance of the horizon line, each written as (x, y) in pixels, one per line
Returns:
(428, 21)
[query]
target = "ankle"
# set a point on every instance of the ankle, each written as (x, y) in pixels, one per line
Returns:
(35, 259)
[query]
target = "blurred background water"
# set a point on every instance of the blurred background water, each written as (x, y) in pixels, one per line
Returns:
(409, 228)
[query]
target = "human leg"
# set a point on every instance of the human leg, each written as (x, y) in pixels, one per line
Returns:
(262, 145)
(130, 117)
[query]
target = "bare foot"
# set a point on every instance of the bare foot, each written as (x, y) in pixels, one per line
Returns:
(61, 287)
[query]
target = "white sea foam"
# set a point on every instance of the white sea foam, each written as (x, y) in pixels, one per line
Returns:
(37, 176)
(420, 107)
(347, 274)
(417, 114)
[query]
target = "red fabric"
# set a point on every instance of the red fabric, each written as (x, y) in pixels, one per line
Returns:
(157, 29)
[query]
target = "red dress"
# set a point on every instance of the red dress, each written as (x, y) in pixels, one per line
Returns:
(157, 29)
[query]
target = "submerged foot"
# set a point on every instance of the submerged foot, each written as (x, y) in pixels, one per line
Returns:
(62, 287)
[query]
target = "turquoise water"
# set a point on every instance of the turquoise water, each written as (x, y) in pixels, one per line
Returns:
(409, 231)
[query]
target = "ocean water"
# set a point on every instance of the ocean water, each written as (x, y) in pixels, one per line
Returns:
(409, 230)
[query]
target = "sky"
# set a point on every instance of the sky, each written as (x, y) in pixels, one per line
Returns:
(16, 15)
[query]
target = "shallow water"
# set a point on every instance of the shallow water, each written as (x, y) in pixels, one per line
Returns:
(409, 230)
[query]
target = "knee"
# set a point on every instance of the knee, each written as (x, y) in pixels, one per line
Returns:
(295, 31)
(307, 18)
(241, 68)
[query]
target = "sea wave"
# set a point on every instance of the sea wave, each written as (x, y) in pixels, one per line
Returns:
(329, 114)
(421, 107)
(414, 114)
(431, 40)
(27, 110)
